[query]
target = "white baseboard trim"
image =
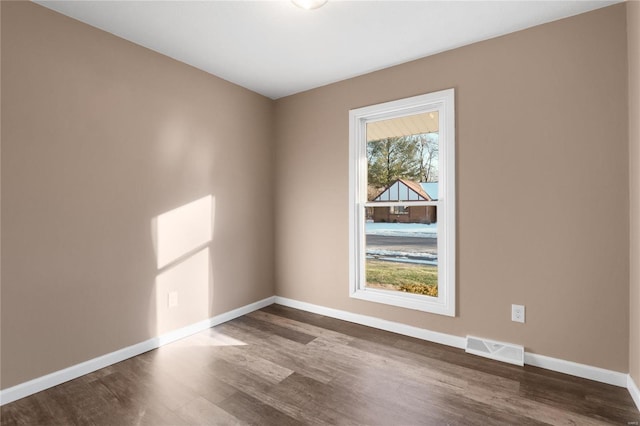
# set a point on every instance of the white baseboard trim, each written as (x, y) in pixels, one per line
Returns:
(634, 391)
(554, 364)
(579, 370)
(395, 327)
(58, 377)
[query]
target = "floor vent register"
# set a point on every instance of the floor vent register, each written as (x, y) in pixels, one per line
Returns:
(505, 352)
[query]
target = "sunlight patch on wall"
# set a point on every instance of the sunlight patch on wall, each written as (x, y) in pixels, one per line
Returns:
(182, 238)
(182, 230)
(187, 283)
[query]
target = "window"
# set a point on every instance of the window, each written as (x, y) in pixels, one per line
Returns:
(402, 203)
(398, 210)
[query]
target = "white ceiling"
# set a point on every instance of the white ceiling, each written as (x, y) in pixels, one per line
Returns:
(277, 49)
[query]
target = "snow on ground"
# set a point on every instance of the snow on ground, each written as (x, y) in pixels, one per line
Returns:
(405, 260)
(408, 254)
(420, 230)
(402, 230)
(401, 256)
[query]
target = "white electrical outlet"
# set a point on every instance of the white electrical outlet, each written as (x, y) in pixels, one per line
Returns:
(173, 299)
(517, 313)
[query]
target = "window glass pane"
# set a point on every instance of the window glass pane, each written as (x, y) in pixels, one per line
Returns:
(402, 158)
(402, 256)
(401, 240)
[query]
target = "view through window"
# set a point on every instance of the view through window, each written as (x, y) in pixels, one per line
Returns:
(402, 214)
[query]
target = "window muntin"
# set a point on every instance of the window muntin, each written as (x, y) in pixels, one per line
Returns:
(403, 203)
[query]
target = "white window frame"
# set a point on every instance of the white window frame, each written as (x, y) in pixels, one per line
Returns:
(443, 102)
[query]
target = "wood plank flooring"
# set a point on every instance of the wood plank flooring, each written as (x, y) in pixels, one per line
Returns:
(281, 366)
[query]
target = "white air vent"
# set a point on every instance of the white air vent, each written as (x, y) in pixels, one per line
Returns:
(506, 352)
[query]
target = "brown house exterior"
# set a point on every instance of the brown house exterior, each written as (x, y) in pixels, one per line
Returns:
(405, 190)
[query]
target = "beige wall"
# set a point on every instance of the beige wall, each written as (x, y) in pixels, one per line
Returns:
(99, 137)
(633, 31)
(542, 175)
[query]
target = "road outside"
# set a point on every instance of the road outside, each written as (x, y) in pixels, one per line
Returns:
(401, 242)
(402, 257)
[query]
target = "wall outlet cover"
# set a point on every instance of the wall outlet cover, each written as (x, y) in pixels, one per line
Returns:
(517, 313)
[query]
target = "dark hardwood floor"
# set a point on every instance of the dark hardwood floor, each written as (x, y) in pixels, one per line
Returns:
(281, 366)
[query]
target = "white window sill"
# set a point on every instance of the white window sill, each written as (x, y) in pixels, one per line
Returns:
(419, 302)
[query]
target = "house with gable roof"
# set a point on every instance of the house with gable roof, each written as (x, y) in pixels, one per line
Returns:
(406, 190)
